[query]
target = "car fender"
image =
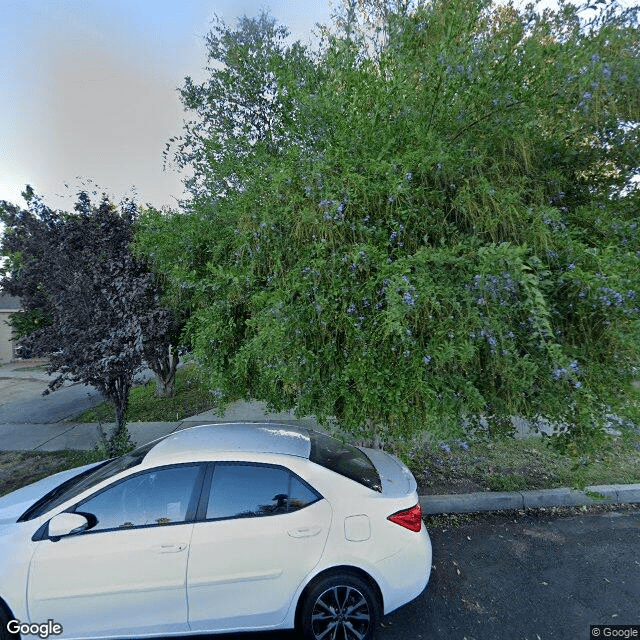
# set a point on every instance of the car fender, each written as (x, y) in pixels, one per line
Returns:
(16, 551)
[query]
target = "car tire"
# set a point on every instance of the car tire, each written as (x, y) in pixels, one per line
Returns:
(342, 602)
(4, 619)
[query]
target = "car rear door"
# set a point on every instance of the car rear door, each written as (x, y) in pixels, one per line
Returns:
(263, 531)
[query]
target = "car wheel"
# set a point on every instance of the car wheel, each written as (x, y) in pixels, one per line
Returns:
(340, 607)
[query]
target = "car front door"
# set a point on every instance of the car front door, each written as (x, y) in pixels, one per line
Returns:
(125, 575)
(265, 530)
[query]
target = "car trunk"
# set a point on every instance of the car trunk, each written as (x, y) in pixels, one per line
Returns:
(397, 481)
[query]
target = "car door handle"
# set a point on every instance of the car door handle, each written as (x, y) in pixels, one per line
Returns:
(171, 548)
(304, 532)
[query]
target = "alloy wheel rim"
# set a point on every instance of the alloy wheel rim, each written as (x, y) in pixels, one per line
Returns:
(340, 613)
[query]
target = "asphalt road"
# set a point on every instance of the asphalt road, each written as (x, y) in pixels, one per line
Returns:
(65, 403)
(22, 402)
(527, 578)
(521, 577)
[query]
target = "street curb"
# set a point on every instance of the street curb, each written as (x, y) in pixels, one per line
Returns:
(497, 501)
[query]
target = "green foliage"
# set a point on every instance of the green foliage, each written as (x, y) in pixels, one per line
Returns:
(443, 229)
(25, 322)
(112, 445)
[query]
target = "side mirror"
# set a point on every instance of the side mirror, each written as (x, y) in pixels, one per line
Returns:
(65, 524)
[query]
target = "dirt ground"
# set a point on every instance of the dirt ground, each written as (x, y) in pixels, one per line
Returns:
(18, 469)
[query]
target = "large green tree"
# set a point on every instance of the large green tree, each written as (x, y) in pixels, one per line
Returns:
(444, 227)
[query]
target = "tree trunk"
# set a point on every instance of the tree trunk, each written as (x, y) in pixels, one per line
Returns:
(120, 440)
(164, 369)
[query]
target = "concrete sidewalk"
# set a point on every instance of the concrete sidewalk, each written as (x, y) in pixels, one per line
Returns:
(57, 436)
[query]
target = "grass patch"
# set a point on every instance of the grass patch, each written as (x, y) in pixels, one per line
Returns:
(18, 469)
(192, 396)
(519, 465)
(510, 465)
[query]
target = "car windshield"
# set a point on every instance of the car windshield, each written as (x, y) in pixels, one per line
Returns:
(345, 459)
(85, 480)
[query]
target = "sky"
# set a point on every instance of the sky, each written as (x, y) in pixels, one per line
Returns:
(89, 89)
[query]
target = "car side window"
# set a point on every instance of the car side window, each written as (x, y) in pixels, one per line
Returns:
(251, 490)
(156, 497)
(301, 495)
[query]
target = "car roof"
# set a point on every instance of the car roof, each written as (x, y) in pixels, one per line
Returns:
(205, 441)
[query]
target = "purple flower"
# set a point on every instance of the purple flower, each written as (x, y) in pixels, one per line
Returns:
(427, 359)
(559, 373)
(408, 299)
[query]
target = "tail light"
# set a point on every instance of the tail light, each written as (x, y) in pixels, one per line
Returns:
(408, 518)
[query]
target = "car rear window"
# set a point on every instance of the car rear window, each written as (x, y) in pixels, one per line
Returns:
(345, 459)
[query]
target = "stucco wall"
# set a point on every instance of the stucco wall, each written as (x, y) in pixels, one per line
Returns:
(6, 345)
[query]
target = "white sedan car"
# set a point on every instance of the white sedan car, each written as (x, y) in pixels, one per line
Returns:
(218, 528)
